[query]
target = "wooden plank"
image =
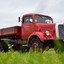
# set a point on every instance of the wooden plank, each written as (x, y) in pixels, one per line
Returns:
(9, 30)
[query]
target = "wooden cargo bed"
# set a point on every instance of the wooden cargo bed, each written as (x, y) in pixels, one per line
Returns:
(15, 30)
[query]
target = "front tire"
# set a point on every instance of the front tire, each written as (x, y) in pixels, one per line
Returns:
(35, 44)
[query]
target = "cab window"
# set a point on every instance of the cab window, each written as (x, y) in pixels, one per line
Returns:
(27, 19)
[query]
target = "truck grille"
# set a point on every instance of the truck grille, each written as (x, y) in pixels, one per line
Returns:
(61, 31)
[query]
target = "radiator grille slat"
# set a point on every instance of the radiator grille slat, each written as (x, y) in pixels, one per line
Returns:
(61, 31)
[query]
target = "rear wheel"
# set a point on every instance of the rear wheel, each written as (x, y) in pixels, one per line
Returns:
(3, 46)
(35, 44)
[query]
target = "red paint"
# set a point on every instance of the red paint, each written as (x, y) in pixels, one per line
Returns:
(29, 29)
(38, 29)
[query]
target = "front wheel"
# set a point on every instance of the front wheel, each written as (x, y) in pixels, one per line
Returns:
(35, 44)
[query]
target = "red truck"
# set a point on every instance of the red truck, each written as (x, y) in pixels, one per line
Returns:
(36, 31)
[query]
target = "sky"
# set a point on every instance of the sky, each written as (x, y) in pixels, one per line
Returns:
(10, 10)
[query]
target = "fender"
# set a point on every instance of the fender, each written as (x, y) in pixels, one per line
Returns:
(40, 35)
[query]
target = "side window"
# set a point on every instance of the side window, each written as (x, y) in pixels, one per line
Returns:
(28, 19)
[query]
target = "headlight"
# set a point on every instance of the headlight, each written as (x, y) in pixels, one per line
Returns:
(47, 33)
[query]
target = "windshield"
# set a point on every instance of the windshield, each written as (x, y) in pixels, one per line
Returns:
(43, 19)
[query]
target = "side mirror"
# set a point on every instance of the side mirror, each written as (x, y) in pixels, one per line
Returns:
(19, 19)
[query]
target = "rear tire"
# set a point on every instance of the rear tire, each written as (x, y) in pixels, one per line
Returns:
(3, 46)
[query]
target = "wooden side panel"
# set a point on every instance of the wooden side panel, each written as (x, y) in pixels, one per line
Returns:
(9, 31)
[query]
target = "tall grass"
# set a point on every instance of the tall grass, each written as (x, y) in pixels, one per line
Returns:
(47, 57)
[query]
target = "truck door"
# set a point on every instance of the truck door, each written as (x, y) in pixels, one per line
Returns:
(27, 26)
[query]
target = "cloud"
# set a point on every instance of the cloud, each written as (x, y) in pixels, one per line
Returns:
(53, 8)
(11, 9)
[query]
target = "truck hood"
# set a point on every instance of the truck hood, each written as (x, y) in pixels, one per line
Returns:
(42, 27)
(45, 26)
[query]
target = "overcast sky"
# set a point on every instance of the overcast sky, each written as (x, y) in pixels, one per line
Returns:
(10, 10)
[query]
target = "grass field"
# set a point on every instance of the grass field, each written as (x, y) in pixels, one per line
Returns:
(47, 57)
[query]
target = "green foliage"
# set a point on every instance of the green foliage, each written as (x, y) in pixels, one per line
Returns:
(21, 57)
(59, 45)
(47, 57)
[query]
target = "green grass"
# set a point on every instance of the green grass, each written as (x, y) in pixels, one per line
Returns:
(47, 57)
